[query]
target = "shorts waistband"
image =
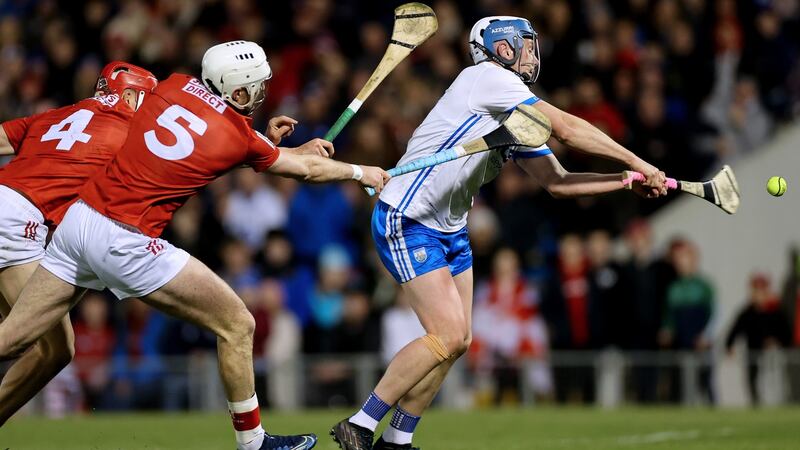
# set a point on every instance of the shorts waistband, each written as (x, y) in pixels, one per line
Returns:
(124, 226)
(22, 202)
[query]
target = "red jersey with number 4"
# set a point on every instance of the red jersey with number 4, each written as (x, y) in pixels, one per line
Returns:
(58, 150)
(182, 138)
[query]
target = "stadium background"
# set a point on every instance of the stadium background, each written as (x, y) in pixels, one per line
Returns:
(688, 85)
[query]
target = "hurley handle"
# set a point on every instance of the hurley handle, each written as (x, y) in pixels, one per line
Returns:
(422, 163)
(630, 176)
(339, 125)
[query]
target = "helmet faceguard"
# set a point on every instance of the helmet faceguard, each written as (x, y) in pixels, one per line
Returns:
(237, 65)
(514, 30)
(117, 76)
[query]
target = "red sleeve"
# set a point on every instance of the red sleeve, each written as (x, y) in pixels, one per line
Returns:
(261, 152)
(16, 129)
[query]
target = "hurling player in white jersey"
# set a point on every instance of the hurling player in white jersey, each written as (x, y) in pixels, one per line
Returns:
(419, 224)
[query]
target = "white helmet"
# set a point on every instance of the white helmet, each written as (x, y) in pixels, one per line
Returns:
(513, 30)
(233, 65)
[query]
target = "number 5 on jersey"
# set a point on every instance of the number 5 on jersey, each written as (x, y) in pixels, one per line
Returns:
(184, 143)
(75, 123)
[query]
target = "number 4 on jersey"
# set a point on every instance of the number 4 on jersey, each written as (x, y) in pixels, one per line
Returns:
(74, 124)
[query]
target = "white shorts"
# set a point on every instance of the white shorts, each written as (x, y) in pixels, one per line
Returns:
(22, 229)
(90, 250)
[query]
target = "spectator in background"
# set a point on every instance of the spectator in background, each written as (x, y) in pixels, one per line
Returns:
(319, 215)
(655, 137)
(771, 53)
(763, 324)
(689, 311)
(253, 209)
(196, 229)
(591, 105)
(276, 261)
(608, 292)
(483, 226)
(399, 326)
(184, 347)
(327, 300)
(330, 379)
(238, 269)
(63, 394)
(94, 344)
(508, 329)
(734, 107)
(359, 330)
(571, 318)
(647, 278)
(281, 347)
(138, 366)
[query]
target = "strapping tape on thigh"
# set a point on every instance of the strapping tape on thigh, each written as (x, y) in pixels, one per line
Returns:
(436, 346)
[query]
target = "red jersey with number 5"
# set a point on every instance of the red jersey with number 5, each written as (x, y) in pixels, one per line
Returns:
(182, 138)
(58, 150)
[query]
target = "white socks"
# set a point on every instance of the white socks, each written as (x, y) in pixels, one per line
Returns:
(247, 423)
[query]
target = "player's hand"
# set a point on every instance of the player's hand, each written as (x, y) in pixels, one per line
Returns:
(645, 191)
(279, 128)
(374, 177)
(654, 178)
(319, 147)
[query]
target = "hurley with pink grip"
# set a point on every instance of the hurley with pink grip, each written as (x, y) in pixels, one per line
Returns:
(631, 176)
(722, 190)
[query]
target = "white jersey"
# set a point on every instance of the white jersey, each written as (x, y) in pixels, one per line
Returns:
(478, 101)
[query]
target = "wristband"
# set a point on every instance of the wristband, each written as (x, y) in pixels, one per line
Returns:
(358, 173)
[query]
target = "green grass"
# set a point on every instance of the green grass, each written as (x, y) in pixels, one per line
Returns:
(544, 428)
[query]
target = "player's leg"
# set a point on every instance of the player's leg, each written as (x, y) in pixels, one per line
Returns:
(198, 295)
(436, 301)
(416, 256)
(409, 409)
(43, 303)
(37, 366)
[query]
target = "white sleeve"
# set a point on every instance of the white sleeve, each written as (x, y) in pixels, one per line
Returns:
(499, 91)
(520, 152)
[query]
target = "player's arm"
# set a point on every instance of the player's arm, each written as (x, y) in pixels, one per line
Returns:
(5, 144)
(560, 183)
(312, 168)
(585, 137)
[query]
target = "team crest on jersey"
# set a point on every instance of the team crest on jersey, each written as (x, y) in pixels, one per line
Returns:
(108, 100)
(196, 88)
(420, 255)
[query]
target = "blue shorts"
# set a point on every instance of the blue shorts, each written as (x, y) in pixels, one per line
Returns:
(409, 249)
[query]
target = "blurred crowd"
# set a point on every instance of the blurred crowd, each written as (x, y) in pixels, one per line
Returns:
(687, 84)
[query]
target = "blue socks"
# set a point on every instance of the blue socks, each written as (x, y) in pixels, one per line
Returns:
(371, 413)
(401, 428)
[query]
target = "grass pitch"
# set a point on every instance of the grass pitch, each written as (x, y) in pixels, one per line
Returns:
(543, 428)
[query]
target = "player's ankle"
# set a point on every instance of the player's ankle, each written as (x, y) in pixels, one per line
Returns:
(401, 428)
(246, 419)
(371, 413)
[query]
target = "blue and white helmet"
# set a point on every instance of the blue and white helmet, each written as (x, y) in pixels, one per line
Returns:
(490, 30)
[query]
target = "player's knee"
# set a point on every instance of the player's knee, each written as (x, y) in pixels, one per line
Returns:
(446, 346)
(461, 343)
(240, 328)
(466, 342)
(56, 354)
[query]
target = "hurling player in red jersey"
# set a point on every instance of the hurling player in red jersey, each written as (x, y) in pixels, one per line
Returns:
(186, 134)
(56, 151)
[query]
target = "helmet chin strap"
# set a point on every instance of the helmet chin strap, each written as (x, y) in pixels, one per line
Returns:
(506, 63)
